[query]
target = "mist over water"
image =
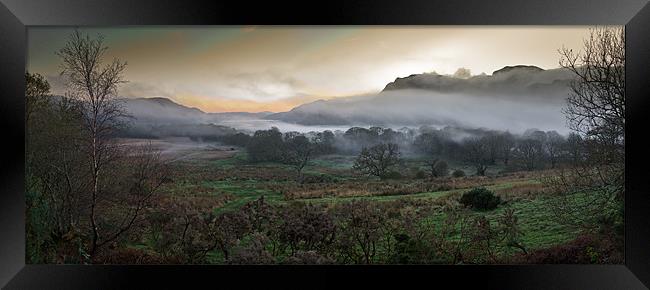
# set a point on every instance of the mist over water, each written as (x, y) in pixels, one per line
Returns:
(253, 125)
(512, 99)
(413, 109)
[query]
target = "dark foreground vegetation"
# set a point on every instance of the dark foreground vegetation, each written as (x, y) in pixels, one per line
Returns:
(364, 196)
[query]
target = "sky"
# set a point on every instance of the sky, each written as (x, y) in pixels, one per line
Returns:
(276, 68)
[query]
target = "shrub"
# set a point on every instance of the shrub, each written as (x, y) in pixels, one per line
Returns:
(413, 251)
(321, 178)
(458, 173)
(480, 198)
(130, 256)
(440, 169)
(586, 249)
(420, 174)
(392, 175)
(308, 258)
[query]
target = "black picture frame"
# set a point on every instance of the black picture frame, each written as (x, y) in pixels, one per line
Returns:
(16, 15)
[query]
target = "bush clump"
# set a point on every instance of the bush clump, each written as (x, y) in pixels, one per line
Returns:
(420, 174)
(458, 173)
(586, 249)
(439, 169)
(392, 175)
(321, 178)
(480, 199)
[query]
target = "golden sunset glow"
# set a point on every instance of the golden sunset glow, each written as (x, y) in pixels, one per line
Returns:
(209, 104)
(269, 68)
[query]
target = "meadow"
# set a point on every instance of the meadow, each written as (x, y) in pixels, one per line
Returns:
(215, 178)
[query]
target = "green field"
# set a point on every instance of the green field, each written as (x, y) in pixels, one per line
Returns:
(242, 182)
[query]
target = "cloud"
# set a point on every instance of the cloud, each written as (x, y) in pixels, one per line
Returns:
(513, 100)
(260, 65)
(140, 89)
(262, 86)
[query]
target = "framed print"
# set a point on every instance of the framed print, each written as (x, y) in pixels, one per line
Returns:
(171, 143)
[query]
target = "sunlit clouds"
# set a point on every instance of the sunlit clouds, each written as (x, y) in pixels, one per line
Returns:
(261, 68)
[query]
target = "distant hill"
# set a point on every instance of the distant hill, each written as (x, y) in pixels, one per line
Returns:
(160, 117)
(521, 80)
(163, 110)
(512, 97)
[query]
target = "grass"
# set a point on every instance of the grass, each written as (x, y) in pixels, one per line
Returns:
(243, 191)
(422, 195)
(332, 161)
(238, 159)
(538, 226)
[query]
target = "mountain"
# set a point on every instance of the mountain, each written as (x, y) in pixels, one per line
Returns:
(519, 80)
(163, 111)
(514, 97)
(517, 68)
(162, 117)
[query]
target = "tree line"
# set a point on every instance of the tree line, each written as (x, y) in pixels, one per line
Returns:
(379, 149)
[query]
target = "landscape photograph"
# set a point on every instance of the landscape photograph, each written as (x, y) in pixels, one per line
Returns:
(327, 145)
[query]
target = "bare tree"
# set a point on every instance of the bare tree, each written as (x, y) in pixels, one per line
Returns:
(95, 85)
(493, 142)
(506, 145)
(136, 178)
(298, 151)
(529, 151)
(553, 147)
(574, 148)
(530, 148)
(377, 160)
(477, 153)
(594, 187)
(596, 105)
